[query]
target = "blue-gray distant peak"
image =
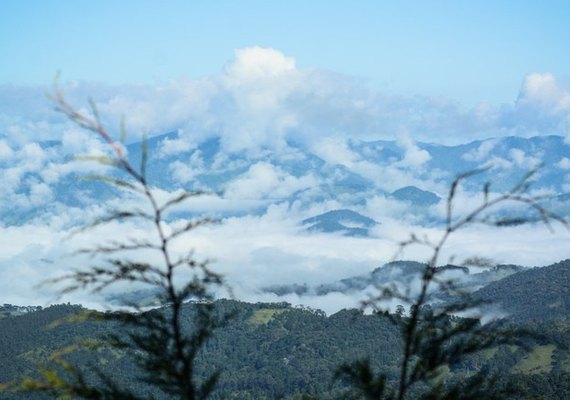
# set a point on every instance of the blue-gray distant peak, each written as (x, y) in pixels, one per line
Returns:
(416, 196)
(348, 222)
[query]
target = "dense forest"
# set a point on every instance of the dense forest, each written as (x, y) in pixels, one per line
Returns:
(274, 350)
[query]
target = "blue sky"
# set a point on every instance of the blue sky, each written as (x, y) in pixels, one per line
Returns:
(469, 51)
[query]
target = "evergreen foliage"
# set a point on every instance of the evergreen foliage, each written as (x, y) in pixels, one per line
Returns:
(271, 350)
(536, 294)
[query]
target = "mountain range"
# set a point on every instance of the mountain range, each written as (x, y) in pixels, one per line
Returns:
(402, 274)
(347, 173)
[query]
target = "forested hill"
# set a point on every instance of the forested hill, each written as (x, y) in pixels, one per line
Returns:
(268, 350)
(265, 351)
(537, 294)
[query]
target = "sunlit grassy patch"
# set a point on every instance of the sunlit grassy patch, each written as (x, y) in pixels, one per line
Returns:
(538, 361)
(263, 316)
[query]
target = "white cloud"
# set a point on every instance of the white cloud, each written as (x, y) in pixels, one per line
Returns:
(481, 152)
(564, 163)
(544, 92)
(255, 63)
(223, 161)
(264, 180)
(76, 141)
(255, 87)
(170, 147)
(380, 207)
(334, 151)
(6, 152)
(33, 155)
(261, 98)
(40, 193)
(522, 160)
(255, 252)
(184, 172)
(414, 157)
(542, 107)
(516, 158)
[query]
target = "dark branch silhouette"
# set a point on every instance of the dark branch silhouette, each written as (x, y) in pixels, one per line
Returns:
(432, 337)
(164, 346)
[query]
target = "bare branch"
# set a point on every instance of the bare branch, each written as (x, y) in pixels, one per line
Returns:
(169, 351)
(179, 199)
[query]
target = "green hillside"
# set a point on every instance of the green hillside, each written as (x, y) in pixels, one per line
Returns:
(537, 294)
(274, 350)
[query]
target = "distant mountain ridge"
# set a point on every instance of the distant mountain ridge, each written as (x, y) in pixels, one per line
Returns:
(300, 174)
(400, 273)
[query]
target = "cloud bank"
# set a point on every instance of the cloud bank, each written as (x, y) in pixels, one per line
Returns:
(259, 103)
(261, 99)
(259, 251)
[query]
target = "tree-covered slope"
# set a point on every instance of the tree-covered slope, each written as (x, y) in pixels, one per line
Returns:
(537, 294)
(265, 351)
(273, 350)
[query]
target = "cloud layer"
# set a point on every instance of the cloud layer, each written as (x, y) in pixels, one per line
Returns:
(259, 104)
(258, 251)
(262, 99)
